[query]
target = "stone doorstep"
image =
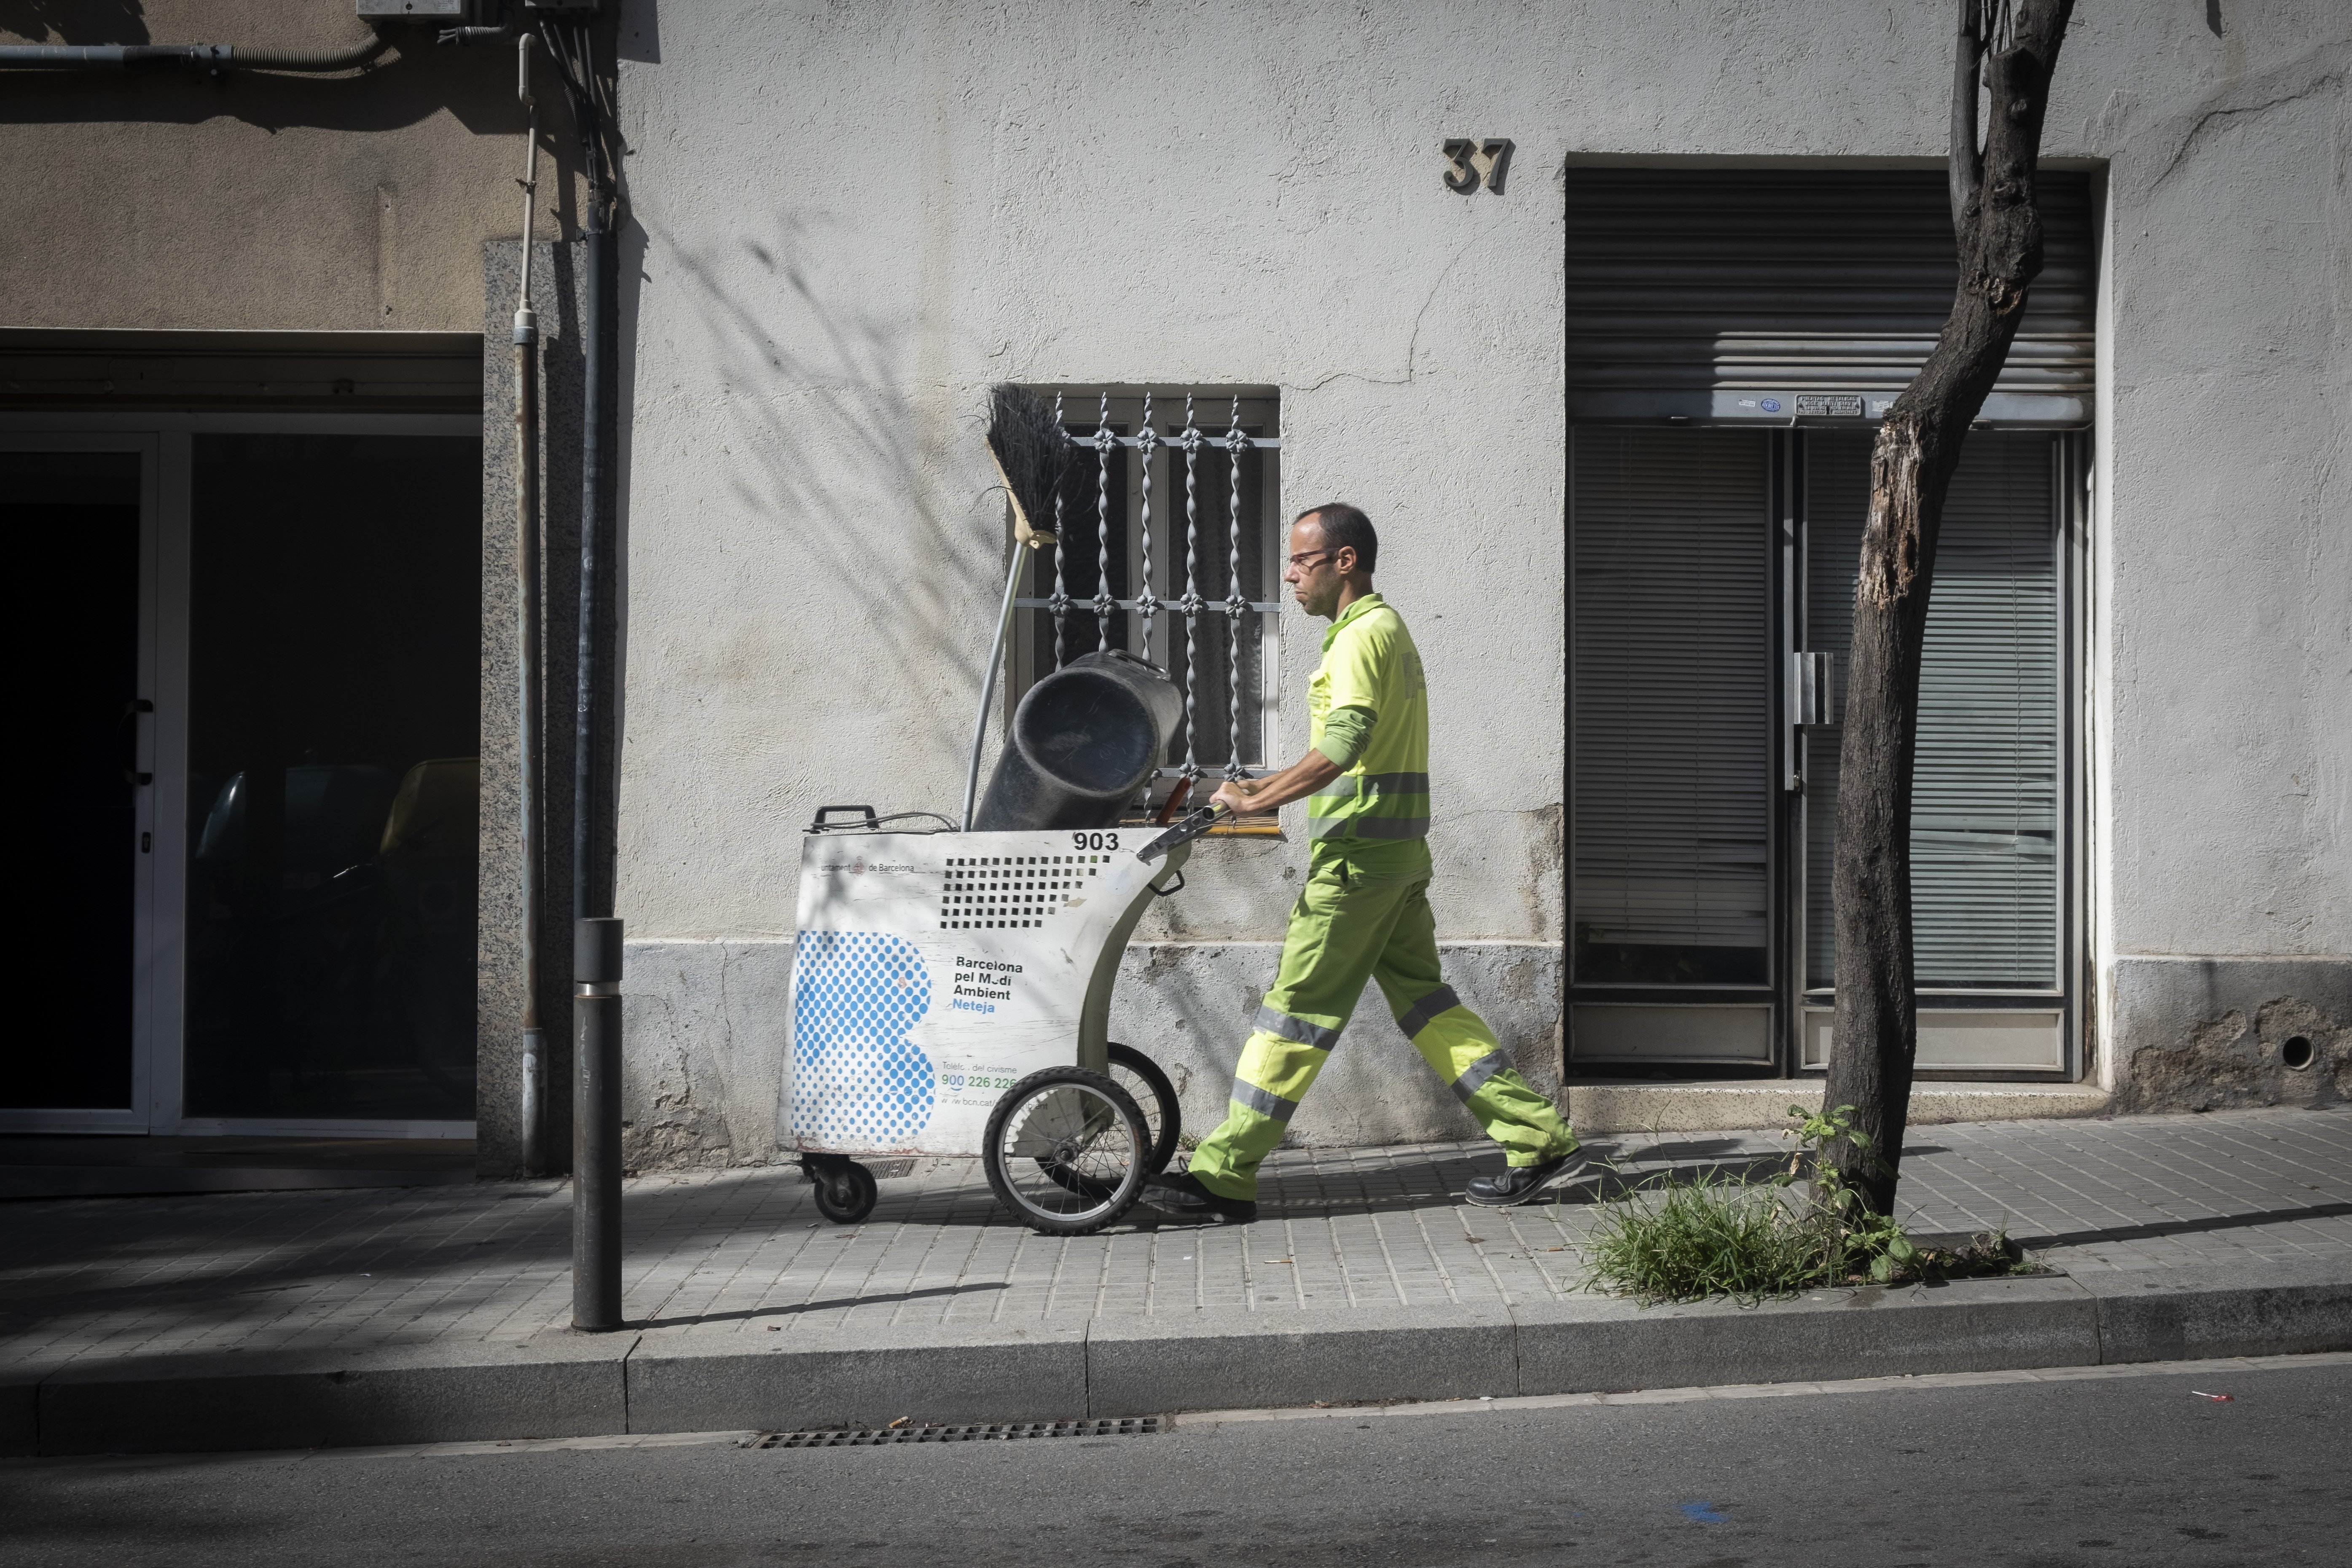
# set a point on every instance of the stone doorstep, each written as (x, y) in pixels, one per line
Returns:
(698, 1379)
(1744, 1104)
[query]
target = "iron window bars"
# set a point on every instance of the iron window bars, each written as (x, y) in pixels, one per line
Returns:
(1217, 485)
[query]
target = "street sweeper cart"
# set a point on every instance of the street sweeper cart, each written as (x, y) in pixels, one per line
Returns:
(953, 980)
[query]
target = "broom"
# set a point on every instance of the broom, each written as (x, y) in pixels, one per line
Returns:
(1031, 453)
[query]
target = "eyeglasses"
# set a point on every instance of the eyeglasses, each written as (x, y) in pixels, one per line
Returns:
(1304, 557)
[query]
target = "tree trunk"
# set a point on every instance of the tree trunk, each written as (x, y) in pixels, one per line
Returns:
(1997, 226)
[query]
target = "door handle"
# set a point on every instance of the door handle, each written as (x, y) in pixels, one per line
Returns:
(1813, 694)
(129, 726)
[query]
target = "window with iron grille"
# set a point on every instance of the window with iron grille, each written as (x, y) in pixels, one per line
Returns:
(1169, 548)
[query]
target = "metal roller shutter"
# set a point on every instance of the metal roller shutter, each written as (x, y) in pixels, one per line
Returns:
(1728, 294)
(1985, 796)
(1672, 708)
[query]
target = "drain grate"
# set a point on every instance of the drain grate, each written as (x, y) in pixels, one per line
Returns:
(940, 1432)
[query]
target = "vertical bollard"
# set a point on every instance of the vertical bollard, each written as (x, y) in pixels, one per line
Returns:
(596, 1126)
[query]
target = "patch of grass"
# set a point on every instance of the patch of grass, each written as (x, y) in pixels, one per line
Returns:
(1702, 1236)
(1692, 1238)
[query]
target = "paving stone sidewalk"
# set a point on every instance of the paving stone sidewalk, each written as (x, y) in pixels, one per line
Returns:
(92, 1279)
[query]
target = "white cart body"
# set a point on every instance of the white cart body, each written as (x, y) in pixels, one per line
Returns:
(933, 971)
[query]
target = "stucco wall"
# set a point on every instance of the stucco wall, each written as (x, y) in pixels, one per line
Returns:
(165, 198)
(853, 219)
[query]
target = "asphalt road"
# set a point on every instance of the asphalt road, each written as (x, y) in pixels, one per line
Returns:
(2127, 1472)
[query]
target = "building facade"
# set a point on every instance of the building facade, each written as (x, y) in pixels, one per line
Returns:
(1592, 309)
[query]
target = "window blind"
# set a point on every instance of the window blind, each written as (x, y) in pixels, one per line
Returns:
(1671, 707)
(1985, 790)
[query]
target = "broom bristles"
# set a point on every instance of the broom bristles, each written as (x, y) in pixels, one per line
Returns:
(1031, 452)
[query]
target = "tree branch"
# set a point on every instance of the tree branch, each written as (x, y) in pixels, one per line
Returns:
(1966, 168)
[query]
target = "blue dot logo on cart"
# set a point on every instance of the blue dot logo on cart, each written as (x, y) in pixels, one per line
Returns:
(857, 1078)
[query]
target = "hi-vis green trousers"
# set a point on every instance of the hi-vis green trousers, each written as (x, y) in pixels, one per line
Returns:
(1366, 917)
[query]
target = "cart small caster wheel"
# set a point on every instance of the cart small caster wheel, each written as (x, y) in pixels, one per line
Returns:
(846, 1192)
(1067, 1151)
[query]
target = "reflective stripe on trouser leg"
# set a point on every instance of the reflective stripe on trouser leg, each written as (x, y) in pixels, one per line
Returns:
(1273, 1077)
(1462, 1050)
(1457, 1045)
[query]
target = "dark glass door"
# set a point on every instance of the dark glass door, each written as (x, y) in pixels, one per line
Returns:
(334, 724)
(72, 522)
(1703, 563)
(1671, 876)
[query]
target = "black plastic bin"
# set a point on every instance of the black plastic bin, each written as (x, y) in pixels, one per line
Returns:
(1085, 742)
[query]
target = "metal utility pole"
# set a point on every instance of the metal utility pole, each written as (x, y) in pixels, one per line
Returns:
(596, 1146)
(596, 935)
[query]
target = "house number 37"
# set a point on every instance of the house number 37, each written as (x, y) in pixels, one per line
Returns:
(1469, 162)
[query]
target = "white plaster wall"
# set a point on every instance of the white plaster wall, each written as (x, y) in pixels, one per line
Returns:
(850, 219)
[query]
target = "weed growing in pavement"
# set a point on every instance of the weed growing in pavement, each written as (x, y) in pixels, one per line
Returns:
(1718, 1234)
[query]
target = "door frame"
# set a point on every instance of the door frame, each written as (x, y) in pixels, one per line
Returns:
(159, 959)
(1786, 861)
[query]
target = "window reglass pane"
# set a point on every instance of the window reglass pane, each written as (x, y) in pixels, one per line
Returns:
(335, 652)
(1671, 731)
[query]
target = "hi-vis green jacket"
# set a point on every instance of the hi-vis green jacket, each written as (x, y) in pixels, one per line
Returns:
(1368, 713)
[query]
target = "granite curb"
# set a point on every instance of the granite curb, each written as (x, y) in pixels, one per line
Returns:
(559, 1384)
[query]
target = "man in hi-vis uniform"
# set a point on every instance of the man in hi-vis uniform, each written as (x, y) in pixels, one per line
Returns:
(1364, 914)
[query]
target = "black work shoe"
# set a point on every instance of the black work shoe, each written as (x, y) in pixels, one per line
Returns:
(1519, 1183)
(1184, 1196)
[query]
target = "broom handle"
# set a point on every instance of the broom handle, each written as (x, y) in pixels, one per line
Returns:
(988, 687)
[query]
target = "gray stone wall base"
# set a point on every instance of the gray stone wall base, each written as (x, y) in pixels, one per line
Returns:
(2210, 1033)
(708, 1029)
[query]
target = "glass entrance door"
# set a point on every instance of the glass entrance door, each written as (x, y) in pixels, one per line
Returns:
(1670, 728)
(82, 783)
(1702, 564)
(245, 801)
(334, 658)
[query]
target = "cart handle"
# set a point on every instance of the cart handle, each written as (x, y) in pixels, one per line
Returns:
(824, 811)
(1195, 824)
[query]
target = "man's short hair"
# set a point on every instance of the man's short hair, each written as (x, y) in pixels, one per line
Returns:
(1346, 527)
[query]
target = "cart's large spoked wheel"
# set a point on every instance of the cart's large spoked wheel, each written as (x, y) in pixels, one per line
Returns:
(1149, 1088)
(1067, 1151)
(1154, 1095)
